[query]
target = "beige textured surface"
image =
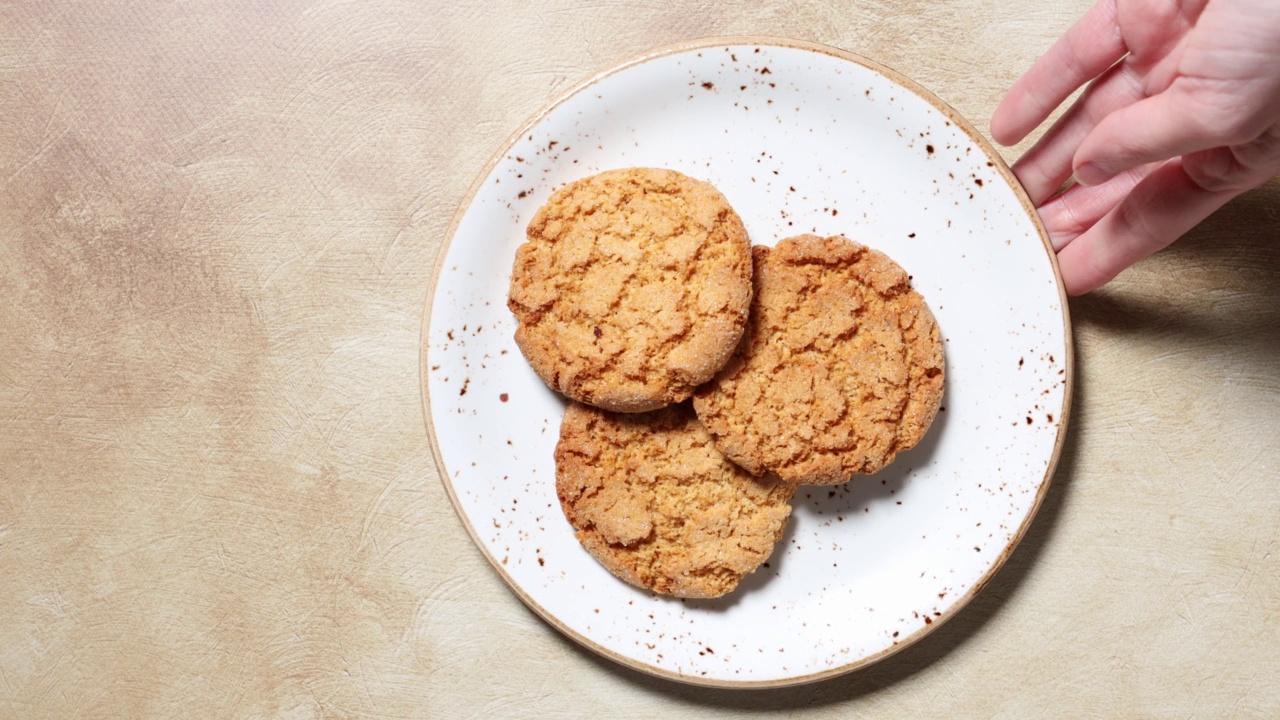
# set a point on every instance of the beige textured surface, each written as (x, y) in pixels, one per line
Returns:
(217, 222)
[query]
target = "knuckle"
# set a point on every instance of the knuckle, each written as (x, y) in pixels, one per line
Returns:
(1213, 171)
(1262, 154)
(1134, 225)
(1238, 167)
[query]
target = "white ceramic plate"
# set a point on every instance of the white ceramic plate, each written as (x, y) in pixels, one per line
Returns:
(799, 138)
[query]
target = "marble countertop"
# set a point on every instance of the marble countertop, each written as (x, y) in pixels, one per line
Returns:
(218, 223)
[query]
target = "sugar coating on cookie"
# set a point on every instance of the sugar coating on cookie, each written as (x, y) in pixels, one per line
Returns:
(651, 498)
(632, 289)
(841, 367)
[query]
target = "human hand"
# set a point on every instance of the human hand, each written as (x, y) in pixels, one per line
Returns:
(1182, 113)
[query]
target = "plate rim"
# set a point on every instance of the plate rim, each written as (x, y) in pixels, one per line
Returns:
(704, 43)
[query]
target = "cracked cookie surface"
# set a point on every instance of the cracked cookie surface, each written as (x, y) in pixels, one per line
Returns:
(651, 498)
(632, 289)
(840, 369)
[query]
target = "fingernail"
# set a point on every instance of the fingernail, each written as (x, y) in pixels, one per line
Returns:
(1090, 174)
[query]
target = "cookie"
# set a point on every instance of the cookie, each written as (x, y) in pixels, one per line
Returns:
(650, 497)
(632, 289)
(840, 369)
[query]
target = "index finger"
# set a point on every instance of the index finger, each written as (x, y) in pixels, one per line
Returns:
(1091, 46)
